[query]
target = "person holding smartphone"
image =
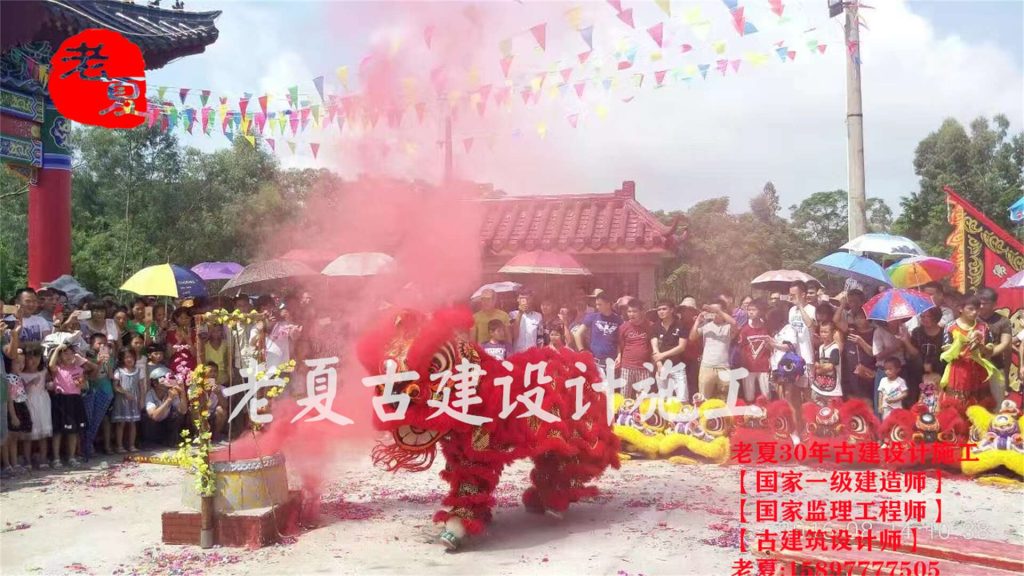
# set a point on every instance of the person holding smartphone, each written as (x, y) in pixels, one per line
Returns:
(715, 327)
(93, 320)
(34, 328)
(526, 325)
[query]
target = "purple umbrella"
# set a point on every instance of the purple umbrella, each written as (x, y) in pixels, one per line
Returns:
(217, 270)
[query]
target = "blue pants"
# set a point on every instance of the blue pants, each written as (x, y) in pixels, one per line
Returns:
(96, 404)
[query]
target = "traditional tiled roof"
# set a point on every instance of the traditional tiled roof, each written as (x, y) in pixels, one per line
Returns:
(162, 34)
(578, 224)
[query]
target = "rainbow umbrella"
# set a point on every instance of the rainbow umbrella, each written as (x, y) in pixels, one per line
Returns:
(919, 270)
(897, 304)
(166, 280)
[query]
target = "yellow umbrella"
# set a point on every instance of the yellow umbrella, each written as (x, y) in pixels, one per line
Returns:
(166, 280)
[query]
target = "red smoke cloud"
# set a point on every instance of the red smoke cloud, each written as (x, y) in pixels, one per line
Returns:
(431, 230)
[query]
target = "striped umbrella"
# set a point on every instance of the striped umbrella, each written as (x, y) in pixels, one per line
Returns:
(897, 304)
(918, 271)
(166, 280)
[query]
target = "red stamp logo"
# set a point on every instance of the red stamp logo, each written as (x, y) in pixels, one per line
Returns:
(99, 77)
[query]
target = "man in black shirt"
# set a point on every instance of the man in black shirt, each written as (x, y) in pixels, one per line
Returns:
(999, 327)
(668, 340)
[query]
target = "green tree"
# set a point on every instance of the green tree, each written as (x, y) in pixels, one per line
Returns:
(140, 198)
(13, 231)
(984, 164)
(821, 220)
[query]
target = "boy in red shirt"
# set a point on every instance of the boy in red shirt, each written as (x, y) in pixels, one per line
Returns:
(635, 352)
(755, 352)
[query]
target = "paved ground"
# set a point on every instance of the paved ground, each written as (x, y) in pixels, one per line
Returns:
(653, 518)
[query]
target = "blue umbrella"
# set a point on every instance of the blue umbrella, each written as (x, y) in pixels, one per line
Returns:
(847, 265)
(1017, 211)
(897, 304)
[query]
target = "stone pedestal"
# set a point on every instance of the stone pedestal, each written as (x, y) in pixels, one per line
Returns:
(253, 506)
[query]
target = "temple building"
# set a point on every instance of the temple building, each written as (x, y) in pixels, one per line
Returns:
(618, 240)
(33, 135)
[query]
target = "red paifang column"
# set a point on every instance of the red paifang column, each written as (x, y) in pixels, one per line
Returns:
(49, 204)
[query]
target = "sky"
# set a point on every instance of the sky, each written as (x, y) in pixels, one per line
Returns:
(692, 139)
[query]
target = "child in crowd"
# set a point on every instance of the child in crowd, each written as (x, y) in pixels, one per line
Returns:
(755, 352)
(556, 336)
(154, 358)
(38, 401)
(127, 411)
(67, 368)
(100, 395)
(825, 386)
(929, 396)
(495, 345)
(218, 414)
(138, 343)
(19, 421)
(891, 389)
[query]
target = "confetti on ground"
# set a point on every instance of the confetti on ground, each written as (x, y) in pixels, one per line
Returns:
(343, 510)
(728, 537)
(183, 563)
(109, 478)
(18, 526)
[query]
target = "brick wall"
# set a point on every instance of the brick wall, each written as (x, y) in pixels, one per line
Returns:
(235, 529)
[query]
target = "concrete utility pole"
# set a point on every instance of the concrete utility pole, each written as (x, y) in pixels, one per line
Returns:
(857, 200)
(448, 163)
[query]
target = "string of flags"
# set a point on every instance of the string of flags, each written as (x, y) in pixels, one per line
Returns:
(292, 115)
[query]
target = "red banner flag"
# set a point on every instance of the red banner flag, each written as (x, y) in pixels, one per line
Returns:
(985, 255)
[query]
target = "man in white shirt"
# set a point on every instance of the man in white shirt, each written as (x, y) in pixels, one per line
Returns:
(34, 328)
(526, 324)
(801, 320)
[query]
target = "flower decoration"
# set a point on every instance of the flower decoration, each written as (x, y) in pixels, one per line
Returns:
(194, 452)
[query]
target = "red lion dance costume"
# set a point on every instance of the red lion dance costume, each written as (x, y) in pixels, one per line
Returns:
(567, 453)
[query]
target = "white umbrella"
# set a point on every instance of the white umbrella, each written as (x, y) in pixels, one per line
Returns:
(359, 264)
(889, 244)
(498, 287)
(781, 279)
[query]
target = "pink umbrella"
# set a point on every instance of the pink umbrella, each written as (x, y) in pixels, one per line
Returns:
(542, 262)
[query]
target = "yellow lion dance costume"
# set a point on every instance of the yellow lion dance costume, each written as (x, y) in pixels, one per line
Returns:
(667, 428)
(998, 443)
